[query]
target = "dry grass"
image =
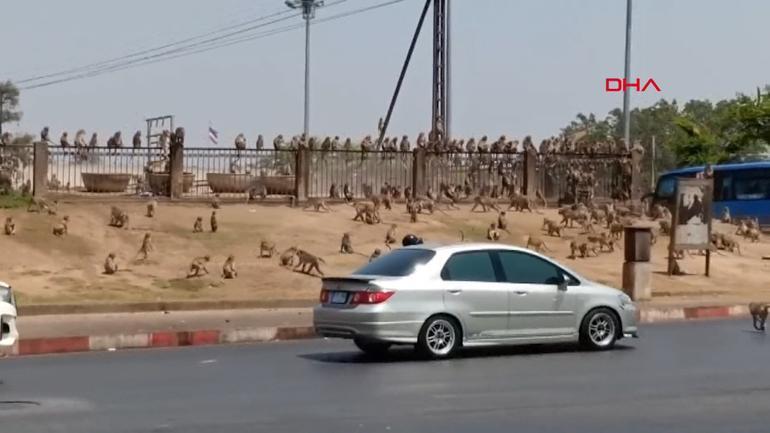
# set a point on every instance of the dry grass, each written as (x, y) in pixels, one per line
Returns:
(45, 269)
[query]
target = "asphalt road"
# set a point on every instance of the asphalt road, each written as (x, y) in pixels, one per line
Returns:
(692, 377)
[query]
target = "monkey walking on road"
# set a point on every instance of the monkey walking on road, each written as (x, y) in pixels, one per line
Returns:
(308, 262)
(144, 250)
(536, 243)
(10, 226)
(318, 204)
(759, 311)
(390, 236)
(228, 269)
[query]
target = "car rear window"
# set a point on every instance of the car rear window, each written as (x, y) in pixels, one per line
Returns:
(398, 263)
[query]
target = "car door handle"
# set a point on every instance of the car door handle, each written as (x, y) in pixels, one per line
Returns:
(520, 292)
(455, 291)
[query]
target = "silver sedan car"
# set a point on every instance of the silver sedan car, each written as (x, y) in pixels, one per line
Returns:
(441, 298)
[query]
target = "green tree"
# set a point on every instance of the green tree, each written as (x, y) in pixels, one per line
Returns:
(9, 102)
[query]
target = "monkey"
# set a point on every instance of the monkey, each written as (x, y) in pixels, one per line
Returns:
(759, 312)
(381, 200)
(64, 141)
(485, 203)
(390, 236)
(492, 233)
(346, 245)
(137, 140)
(334, 193)
(552, 228)
(675, 268)
(318, 204)
(586, 224)
(752, 223)
(730, 244)
(586, 248)
(287, 257)
(574, 249)
(37, 204)
(307, 262)
(44, 134)
(376, 254)
(198, 265)
(367, 213)
(413, 215)
(603, 240)
(537, 243)
(228, 269)
(110, 266)
(752, 234)
(347, 193)
(665, 227)
(520, 203)
(198, 226)
(240, 142)
(267, 249)
(151, 206)
(10, 226)
(146, 247)
(616, 230)
(502, 223)
(60, 229)
(215, 201)
(742, 228)
(118, 218)
(425, 204)
(116, 141)
(213, 222)
(260, 142)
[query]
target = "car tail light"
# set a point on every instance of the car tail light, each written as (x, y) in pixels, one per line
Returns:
(324, 298)
(361, 298)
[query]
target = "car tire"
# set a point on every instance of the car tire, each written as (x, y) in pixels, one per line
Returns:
(599, 329)
(439, 338)
(371, 347)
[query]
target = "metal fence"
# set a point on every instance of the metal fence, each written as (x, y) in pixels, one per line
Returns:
(607, 170)
(16, 168)
(231, 172)
(359, 170)
(482, 171)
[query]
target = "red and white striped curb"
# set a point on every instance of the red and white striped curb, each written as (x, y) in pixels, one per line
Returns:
(39, 346)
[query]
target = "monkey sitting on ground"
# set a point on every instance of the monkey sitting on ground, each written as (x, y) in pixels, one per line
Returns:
(60, 229)
(307, 262)
(665, 227)
(347, 193)
(318, 204)
(215, 201)
(742, 228)
(486, 203)
(377, 253)
(502, 223)
(759, 312)
(492, 233)
(198, 225)
(537, 244)
(151, 206)
(118, 218)
(198, 266)
(287, 257)
(390, 236)
(726, 218)
(266, 249)
(334, 193)
(413, 215)
(213, 221)
(752, 234)
(228, 269)
(346, 245)
(110, 266)
(10, 226)
(146, 247)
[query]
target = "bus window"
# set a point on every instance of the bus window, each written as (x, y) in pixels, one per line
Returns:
(666, 186)
(757, 188)
(723, 186)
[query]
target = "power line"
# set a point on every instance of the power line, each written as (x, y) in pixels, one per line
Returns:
(207, 45)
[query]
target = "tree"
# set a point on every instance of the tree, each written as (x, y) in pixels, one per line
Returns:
(9, 101)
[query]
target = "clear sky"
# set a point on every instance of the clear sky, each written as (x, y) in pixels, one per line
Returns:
(519, 66)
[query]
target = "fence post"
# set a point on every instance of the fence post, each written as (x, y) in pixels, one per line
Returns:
(301, 174)
(419, 166)
(636, 177)
(40, 169)
(529, 184)
(176, 176)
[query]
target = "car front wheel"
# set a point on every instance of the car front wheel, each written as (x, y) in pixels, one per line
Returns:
(439, 337)
(370, 347)
(599, 329)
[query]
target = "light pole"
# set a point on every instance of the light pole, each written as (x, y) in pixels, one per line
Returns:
(626, 102)
(308, 13)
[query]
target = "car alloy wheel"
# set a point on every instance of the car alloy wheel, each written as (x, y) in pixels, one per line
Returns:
(599, 329)
(439, 337)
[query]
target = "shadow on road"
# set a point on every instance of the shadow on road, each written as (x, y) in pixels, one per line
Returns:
(407, 354)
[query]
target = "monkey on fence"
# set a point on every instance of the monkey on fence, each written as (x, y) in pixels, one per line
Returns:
(228, 269)
(10, 226)
(198, 267)
(146, 247)
(198, 225)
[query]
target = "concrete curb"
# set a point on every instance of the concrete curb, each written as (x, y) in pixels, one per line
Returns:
(40, 346)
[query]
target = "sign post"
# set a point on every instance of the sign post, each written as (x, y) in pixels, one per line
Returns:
(691, 224)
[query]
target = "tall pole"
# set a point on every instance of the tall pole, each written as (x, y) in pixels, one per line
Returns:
(652, 164)
(448, 71)
(307, 75)
(626, 102)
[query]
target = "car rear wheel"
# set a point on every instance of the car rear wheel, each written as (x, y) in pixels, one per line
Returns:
(599, 329)
(370, 347)
(439, 337)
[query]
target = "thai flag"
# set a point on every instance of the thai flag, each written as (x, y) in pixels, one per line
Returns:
(213, 135)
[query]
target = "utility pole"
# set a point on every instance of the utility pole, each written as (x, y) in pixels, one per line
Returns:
(626, 102)
(308, 13)
(652, 164)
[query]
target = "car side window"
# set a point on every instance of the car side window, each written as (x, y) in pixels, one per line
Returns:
(469, 266)
(523, 268)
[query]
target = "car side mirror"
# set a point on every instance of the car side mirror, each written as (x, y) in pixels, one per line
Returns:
(563, 283)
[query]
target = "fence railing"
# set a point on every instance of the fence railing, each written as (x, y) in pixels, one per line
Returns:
(16, 169)
(203, 172)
